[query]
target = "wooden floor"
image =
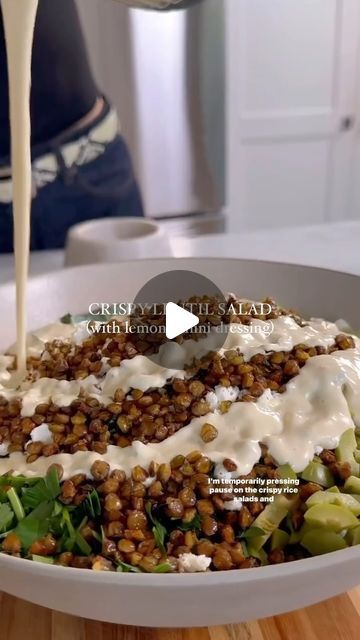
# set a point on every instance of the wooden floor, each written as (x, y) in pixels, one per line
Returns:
(336, 619)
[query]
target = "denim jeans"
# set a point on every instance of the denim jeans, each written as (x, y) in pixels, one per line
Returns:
(102, 188)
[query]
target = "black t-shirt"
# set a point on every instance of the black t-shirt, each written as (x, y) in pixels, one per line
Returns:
(63, 88)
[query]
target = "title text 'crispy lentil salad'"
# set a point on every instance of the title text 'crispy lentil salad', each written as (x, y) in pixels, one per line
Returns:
(112, 462)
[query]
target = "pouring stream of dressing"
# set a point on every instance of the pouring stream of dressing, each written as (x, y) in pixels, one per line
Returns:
(19, 21)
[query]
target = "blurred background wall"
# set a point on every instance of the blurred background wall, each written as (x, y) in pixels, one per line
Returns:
(248, 108)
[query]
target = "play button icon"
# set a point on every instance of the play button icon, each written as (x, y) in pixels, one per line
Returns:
(173, 314)
(178, 320)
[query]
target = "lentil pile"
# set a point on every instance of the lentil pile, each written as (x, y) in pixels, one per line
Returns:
(149, 521)
(160, 516)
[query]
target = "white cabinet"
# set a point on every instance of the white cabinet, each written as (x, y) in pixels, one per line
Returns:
(292, 76)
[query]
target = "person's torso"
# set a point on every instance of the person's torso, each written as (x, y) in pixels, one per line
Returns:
(63, 88)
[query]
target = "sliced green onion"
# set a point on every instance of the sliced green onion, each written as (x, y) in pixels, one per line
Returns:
(16, 504)
(43, 559)
(6, 518)
(163, 568)
(124, 567)
(82, 544)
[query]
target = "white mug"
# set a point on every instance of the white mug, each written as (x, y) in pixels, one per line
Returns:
(116, 239)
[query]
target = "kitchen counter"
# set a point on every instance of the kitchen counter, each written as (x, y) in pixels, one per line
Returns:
(336, 619)
(334, 246)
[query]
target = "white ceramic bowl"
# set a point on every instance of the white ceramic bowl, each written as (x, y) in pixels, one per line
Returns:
(114, 240)
(189, 599)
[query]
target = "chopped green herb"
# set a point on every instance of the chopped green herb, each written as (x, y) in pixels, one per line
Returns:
(43, 559)
(53, 483)
(11, 481)
(45, 489)
(163, 568)
(112, 425)
(159, 531)
(35, 525)
(91, 504)
(69, 536)
(68, 318)
(252, 532)
(194, 525)
(244, 548)
(82, 545)
(16, 504)
(97, 536)
(6, 517)
(123, 567)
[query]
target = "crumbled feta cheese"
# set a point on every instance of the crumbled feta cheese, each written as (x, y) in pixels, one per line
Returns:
(233, 505)
(105, 367)
(212, 400)
(5, 363)
(42, 433)
(221, 394)
(343, 325)
(189, 563)
(4, 449)
(81, 332)
(148, 482)
(221, 472)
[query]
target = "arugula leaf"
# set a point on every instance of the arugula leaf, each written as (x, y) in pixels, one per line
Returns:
(35, 525)
(6, 517)
(123, 567)
(194, 525)
(252, 532)
(159, 531)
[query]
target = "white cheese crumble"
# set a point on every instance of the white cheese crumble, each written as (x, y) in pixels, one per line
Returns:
(220, 472)
(190, 563)
(42, 433)
(221, 394)
(233, 505)
(4, 446)
(81, 332)
(148, 482)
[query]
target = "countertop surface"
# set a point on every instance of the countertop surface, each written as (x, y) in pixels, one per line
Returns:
(333, 246)
(336, 619)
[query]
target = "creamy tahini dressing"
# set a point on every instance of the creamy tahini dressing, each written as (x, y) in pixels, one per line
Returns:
(19, 22)
(281, 334)
(317, 407)
(141, 373)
